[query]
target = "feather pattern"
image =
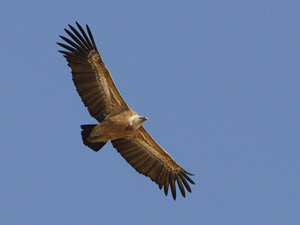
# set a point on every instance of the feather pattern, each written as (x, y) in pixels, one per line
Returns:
(151, 160)
(90, 75)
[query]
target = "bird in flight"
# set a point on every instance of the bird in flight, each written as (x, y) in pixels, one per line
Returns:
(117, 122)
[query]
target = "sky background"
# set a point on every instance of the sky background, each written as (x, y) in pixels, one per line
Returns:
(219, 81)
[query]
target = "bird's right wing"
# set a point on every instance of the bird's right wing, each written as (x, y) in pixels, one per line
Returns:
(92, 79)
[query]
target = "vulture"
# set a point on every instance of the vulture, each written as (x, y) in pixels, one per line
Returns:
(118, 123)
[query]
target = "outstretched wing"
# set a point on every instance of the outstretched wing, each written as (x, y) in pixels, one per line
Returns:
(151, 160)
(91, 77)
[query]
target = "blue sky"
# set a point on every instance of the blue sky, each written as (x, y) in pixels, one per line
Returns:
(219, 81)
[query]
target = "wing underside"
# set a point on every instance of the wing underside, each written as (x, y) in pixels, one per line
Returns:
(149, 159)
(92, 79)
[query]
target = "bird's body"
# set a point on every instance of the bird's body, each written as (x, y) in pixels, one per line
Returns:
(117, 122)
(118, 126)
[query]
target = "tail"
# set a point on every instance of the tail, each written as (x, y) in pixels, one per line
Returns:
(86, 130)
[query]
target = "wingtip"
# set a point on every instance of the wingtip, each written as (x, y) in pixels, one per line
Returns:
(166, 189)
(79, 26)
(87, 27)
(188, 178)
(174, 196)
(71, 27)
(191, 174)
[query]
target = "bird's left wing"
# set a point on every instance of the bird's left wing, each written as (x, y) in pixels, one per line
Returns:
(151, 160)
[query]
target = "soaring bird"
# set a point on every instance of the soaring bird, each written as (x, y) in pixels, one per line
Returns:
(117, 122)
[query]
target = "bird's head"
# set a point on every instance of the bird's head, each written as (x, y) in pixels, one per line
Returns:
(136, 121)
(143, 118)
(140, 119)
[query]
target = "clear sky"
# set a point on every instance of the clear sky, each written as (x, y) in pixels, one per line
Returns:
(219, 81)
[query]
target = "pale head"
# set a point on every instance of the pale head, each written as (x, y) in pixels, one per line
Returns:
(136, 121)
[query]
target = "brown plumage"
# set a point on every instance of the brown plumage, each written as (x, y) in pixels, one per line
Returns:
(117, 122)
